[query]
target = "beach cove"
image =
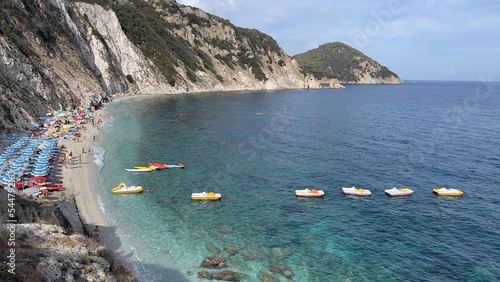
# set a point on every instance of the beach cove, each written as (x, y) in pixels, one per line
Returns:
(256, 148)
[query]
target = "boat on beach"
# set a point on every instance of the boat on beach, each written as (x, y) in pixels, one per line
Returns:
(453, 192)
(49, 186)
(206, 196)
(55, 187)
(308, 193)
(122, 188)
(398, 192)
(356, 191)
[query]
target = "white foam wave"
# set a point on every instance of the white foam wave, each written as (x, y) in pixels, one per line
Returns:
(98, 155)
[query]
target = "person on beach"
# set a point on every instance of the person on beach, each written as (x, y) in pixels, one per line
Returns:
(96, 233)
(63, 159)
(70, 159)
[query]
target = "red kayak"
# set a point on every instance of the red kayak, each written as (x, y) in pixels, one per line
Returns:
(55, 187)
(158, 166)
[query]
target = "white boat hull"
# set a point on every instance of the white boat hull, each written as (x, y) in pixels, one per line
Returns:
(306, 193)
(356, 191)
(399, 192)
(204, 196)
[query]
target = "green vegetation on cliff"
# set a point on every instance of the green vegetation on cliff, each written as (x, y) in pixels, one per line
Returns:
(145, 25)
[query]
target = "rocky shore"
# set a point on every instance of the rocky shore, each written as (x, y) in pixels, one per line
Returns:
(46, 241)
(51, 238)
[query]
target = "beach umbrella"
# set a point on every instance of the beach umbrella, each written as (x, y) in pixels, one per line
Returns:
(41, 168)
(48, 114)
(68, 108)
(5, 180)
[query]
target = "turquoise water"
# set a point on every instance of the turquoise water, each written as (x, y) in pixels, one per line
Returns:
(256, 148)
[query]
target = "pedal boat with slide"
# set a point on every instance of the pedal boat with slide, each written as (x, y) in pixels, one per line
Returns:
(122, 188)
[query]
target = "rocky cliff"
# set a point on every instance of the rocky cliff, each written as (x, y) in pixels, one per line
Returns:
(55, 53)
(340, 63)
(45, 240)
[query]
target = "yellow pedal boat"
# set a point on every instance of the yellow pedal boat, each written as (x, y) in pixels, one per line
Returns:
(447, 192)
(204, 196)
(122, 188)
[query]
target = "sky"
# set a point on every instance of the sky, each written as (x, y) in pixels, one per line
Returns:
(418, 40)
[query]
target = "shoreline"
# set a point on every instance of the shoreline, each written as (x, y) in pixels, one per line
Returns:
(81, 180)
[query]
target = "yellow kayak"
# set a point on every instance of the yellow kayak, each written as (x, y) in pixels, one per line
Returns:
(144, 168)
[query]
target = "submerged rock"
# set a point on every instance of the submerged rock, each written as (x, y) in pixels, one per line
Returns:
(212, 249)
(213, 262)
(252, 256)
(232, 249)
(205, 274)
(281, 269)
(281, 253)
(226, 275)
(265, 275)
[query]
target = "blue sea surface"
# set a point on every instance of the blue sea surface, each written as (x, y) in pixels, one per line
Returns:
(257, 148)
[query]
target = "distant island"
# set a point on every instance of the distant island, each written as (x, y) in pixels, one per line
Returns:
(341, 63)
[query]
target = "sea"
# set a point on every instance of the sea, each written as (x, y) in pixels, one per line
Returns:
(257, 148)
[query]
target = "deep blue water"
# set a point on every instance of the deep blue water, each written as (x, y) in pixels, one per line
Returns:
(256, 148)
